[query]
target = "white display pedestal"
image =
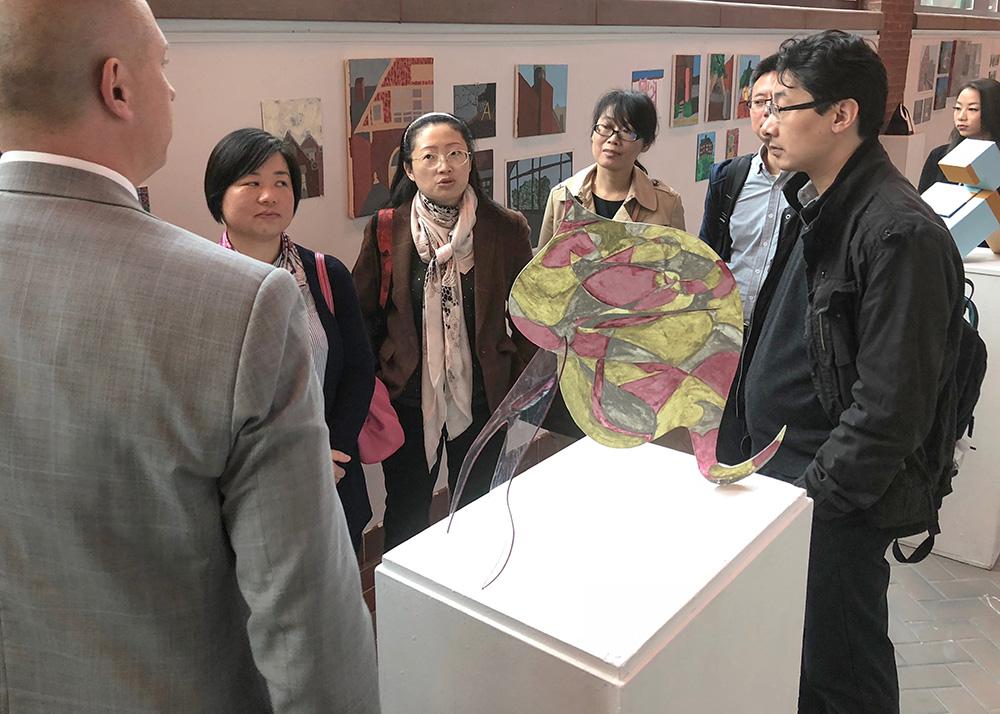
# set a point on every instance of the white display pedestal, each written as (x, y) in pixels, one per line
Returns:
(635, 586)
(970, 515)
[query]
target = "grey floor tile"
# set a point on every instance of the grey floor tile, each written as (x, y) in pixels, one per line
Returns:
(928, 676)
(983, 685)
(905, 608)
(962, 571)
(985, 653)
(932, 569)
(989, 625)
(944, 630)
(917, 586)
(965, 588)
(958, 701)
(901, 633)
(955, 609)
(920, 701)
(935, 652)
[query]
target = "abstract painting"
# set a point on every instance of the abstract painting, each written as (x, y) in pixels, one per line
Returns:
(705, 155)
(483, 161)
(647, 81)
(383, 97)
(941, 92)
(685, 91)
(540, 99)
(476, 105)
(719, 93)
(925, 80)
(529, 182)
(732, 143)
(300, 123)
(745, 66)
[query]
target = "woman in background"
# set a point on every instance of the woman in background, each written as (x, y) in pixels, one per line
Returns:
(253, 187)
(616, 185)
(447, 351)
(976, 115)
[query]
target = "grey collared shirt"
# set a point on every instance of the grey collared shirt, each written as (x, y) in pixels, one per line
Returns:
(754, 228)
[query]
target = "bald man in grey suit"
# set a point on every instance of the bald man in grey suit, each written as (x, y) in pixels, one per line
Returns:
(170, 534)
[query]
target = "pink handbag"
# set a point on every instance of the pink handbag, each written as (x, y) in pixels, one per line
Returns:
(381, 436)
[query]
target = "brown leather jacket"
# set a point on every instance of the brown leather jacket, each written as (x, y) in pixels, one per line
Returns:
(501, 248)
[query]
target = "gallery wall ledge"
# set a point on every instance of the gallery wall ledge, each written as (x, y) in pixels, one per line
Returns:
(491, 12)
(943, 21)
(311, 10)
(699, 13)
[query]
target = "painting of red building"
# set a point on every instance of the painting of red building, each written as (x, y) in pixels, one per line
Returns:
(540, 99)
(300, 123)
(383, 97)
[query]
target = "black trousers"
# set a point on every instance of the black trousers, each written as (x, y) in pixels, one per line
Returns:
(409, 484)
(848, 662)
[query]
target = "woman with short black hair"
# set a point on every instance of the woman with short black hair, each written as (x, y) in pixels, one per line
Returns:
(616, 185)
(253, 187)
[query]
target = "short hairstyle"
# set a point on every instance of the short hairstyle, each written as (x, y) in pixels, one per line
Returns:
(242, 152)
(989, 109)
(630, 109)
(765, 66)
(833, 65)
(402, 188)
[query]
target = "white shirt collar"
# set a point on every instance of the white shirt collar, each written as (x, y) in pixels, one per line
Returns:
(73, 163)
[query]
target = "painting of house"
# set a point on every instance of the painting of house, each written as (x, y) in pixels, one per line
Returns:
(732, 143)
(300, 123)
(529, 182)
(647, 81)
(745, 67)
(383, 97)
(705, 156)
(685, 92)
(476, 105)
(719, 95)
(540, 99)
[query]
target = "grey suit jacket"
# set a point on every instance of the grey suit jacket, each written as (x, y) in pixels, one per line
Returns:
(170, 534)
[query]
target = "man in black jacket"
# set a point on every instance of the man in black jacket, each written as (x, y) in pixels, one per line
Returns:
(853, 345)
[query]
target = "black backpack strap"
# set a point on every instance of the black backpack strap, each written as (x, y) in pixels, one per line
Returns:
(921, 551)
(736, 176)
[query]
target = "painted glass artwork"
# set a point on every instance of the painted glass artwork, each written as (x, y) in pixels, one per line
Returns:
(529, 182)
(719, 97)
(652, 323)
(745, 66)
(300, 123)
(647, 81)
(383, 96)
(686, 90)
(540, 99)
(476, 105)
(705, 155)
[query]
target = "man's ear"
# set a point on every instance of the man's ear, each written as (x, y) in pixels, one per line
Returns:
(846, 114)
(115, 88)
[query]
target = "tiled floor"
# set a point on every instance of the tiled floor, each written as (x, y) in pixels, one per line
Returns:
(945, 622)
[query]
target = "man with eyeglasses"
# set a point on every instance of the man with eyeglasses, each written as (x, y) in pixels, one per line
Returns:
(744, 205)
(853, 345)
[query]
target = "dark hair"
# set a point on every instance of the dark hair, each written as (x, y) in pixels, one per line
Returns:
(402, 188)
(242, 152)
(989, 110)
(765, 66)
(630, 109)
(833, 65)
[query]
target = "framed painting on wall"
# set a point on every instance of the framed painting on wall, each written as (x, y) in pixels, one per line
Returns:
(732, 143)
(719, 94)
(529, 182)
(705, 155)
(476, 105)
(483, 161)
(300, 123)
(383, 97)
(685, 90)
(647, 81)
(925, 80)
(540, 99)
(745, 66)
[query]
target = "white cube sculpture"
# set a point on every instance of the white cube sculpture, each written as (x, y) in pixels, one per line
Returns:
(635, 586)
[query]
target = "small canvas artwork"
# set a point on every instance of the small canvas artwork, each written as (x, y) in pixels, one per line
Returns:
(928, 105)
(705, 156)
(918, 111)
(732, 143)
(540, 99)
(925, 81)
(143, 192)
(476, 105)
(300, 123)
(483, 161)
(685, 92)
(945, 55)
(745, 66)
(529, 182)
(941, 92)
(994, 60)
(965, 65)
(992, 74)
(719, 93)
(647, 81)
(383, 97)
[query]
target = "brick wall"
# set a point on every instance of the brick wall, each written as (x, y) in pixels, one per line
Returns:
(894, 44)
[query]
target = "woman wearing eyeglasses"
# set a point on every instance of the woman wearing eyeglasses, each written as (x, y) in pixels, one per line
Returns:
(616, 186)
(447, 351)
